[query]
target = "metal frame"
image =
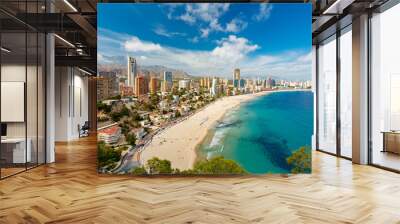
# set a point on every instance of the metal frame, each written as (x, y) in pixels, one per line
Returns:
(44, 74)
(338, 152)
(387, 5)
(338, 75)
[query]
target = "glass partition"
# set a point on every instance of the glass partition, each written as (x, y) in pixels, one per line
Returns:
(327, 95)
(22, 77)
(346, 92)
(385, 89)
(13, 92)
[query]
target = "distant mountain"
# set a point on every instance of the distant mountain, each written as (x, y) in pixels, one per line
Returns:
(158, 70)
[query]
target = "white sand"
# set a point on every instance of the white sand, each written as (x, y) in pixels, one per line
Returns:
(178, 143)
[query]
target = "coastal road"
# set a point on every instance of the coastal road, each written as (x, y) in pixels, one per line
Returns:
(127, 162)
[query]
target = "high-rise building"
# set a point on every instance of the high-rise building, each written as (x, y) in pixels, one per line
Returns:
(141, 87)
(102, 88)
(236, 74)
(167, 84)
(184, 84)
(215, 87)
(110, 82)
(153, 85)
(125, 90)
(132, 71)
(208, 82)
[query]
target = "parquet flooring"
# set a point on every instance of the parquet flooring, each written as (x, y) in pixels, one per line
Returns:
(71, 191)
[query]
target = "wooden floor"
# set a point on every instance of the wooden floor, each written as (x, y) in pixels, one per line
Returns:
(70, 191)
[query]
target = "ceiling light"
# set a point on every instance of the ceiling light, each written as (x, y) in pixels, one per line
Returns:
(70, 5)
(337, 7)
(65, 41)
(86, 72)
(5, 50)
(331, 7)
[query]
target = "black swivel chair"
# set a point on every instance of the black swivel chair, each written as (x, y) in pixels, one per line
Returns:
(84, 130)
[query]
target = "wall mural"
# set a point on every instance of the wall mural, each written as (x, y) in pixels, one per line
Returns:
(204, 89)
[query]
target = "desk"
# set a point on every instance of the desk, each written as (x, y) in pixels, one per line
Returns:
(13, 150)
(391, 141)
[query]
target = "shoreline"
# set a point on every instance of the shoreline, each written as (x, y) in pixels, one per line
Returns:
(180, 142)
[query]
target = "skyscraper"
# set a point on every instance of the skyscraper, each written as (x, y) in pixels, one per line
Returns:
(214, 88)
(140, 86)
(236, 74)
(132, 71)
(153, 86)
(167, 81)
(184, 84)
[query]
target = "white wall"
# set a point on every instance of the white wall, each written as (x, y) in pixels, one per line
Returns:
(71, 103)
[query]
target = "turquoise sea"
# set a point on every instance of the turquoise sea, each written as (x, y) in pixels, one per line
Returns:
(262, 133)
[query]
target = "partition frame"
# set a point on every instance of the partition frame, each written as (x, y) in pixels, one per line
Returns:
(44, 95)
(337, 34)
(382, 8)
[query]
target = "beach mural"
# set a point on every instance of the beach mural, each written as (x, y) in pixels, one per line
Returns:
(204, 88)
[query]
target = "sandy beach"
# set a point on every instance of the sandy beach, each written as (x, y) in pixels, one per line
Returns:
(178, 143)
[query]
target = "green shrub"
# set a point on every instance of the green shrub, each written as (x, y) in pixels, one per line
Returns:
(138, 171)
(107, 155)
(217, 165)
(300, 160)
(158, 166)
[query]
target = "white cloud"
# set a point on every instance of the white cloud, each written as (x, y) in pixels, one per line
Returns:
(264, 12)
(229, 53)
(136, 45)
(233, 48)
(305, 58)
(160, 30)
(194, 39)
(206, 16)
(187, 18)
(205, 12)
(204, 32)
(236, 25)
(101, 58)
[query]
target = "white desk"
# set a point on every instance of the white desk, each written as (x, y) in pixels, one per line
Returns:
(18, 150)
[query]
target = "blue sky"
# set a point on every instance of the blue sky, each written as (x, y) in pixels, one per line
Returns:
(209, 39)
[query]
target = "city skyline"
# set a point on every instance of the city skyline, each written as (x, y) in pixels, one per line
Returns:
(216, 53)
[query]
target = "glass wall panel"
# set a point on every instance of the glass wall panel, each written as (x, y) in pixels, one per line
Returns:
(41, 99)
(327, 95)
(22, 90)
(346, 92)
(13, 86)
(31, 98)
(385, 89)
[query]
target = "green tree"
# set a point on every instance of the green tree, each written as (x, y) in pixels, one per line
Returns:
(158, 166)
(124, 111)
(117, 97)
(177, 114)
(154, 99)
(107, 155)
(115, 116)
(103, 107)
(300, 160)
(217, 165)
(138, 171)
(131, 139)
(135, 116)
